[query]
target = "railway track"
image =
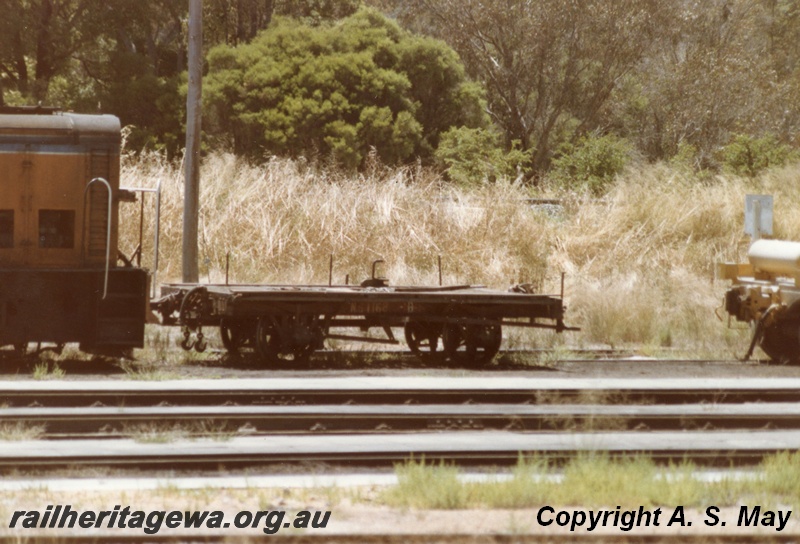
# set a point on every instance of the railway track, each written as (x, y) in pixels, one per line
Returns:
(117, 422)
(464, 447)
(391, 390)
(382, 421)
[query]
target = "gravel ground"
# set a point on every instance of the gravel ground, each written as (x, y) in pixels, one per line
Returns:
(332, 364)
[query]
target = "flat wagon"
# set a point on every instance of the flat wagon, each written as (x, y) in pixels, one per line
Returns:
(289, 322)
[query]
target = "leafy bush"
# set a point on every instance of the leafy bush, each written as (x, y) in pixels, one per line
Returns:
(316, 11)
(747, 155)
(592, 162)
(685, 158)
(339, 89)
(471, 155)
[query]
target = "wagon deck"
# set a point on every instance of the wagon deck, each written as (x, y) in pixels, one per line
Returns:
(289, 322)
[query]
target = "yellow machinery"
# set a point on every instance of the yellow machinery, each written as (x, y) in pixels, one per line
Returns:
(765, 293)
(60, 280)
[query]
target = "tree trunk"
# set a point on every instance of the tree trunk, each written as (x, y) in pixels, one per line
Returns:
(44, 52)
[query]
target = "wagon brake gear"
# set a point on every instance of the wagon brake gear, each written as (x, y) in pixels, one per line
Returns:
(375, 280)
(425, 340)
(288, 338)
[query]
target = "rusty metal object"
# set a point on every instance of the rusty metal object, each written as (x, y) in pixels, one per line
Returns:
(288, 322)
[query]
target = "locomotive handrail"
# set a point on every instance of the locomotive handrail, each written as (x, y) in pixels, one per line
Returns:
(108, 227)
(157, 230)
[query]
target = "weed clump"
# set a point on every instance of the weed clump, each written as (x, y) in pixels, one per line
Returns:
(594, 480)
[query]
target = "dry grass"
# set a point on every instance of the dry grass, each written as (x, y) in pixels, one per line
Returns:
(48, 371)
(639, 262)
(162, 433)
(595, 480)
(19, 430)
(280, 222)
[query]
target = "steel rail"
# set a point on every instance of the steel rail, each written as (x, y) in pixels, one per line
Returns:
(112, 422)
(388, 390)
(707, 448)
(607, 355)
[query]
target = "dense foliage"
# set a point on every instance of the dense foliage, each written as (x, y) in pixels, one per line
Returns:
(339, 90)
(469, 154)
(713, 84)
(592, 162)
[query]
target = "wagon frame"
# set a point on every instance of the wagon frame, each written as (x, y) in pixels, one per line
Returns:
(289, 322)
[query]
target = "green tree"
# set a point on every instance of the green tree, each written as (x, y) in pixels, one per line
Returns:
(316, 11)
(550, 67)
(471, 155)
(235, 21)
(592, 162)
(338, 89)
(747, 155)
(143, 73)
(38, 39)
(124, 57)
(710, 76)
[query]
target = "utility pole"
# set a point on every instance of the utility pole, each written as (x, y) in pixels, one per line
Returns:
(191, 195)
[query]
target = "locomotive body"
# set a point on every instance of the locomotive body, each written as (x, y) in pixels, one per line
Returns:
(59, 198)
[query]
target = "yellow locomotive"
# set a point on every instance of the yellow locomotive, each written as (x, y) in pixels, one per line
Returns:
(60, 280)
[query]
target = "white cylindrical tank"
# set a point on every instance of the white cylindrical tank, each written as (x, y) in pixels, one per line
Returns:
(775, 257)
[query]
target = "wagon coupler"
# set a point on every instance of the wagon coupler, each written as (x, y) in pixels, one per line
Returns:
(199, 343)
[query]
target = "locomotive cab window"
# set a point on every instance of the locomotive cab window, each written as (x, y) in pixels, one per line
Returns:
(57, 228)
(6, 228)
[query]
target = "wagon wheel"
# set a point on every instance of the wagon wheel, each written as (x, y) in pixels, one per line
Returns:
(483, 343)
(781, 339)
(194, 307)
(474, 345)
(288, 338)
(20, 349)
(423, 339)
(236, 335)
(780, 342)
